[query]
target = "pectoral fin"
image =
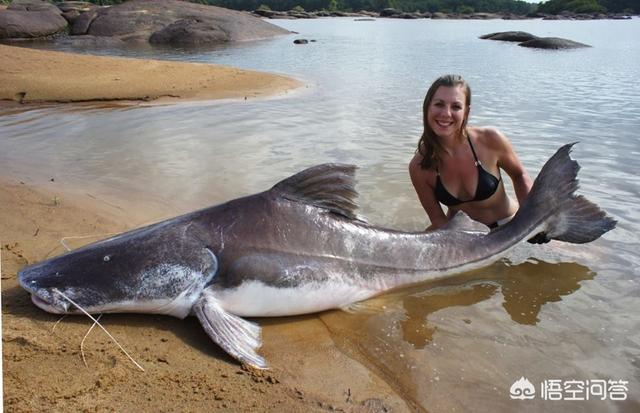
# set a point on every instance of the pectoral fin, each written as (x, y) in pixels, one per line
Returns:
(238, 337)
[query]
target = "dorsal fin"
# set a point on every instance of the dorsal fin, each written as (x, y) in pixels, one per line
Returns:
(462, 222)
(330, 186)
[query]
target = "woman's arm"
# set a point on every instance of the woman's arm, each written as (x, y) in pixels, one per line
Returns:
(426, 195)
(509, 161)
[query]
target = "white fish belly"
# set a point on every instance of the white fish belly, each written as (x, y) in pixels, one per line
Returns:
(256, 299)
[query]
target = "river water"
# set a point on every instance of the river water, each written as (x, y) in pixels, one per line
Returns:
(556, 312)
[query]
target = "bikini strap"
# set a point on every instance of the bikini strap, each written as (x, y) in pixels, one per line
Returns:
(473, 150)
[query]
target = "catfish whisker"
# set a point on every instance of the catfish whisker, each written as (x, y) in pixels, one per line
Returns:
(58, 322)
(84, 360)
(99, 325)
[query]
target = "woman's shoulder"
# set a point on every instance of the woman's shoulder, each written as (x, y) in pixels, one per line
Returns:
(416, 169)
(415, 164)
(489, 137)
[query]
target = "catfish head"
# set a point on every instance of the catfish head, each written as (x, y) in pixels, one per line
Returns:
(160, 269)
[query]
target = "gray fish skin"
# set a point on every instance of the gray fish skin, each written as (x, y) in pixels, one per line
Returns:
(297, 248)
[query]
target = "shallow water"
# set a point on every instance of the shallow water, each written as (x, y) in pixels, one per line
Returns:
(552, 312)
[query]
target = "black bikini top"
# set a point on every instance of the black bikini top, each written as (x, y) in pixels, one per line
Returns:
(487, 185)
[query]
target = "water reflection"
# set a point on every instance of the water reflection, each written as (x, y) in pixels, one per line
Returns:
(415, 327)
(398, 333)
(529, 286)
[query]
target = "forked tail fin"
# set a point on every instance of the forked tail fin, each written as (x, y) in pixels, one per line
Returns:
(552, 206)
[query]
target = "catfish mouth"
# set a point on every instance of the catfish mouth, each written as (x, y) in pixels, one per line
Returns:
(56, 308)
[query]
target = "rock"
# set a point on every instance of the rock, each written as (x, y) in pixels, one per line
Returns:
(483, 16)
(269, 13)
(82, 23)
(89, 41)
(79, 6)
(552, 43)
(167, 20)
(300, 15)
(30, 22)
(188, 32)
(511, 16)
(301, 41)
(71, 15)
(389, 12)
(368, 13)
(33, 5)
(509, 36)
(407, 16)
(338, 13)
(439, 15)
(619, 17)
(282, 17)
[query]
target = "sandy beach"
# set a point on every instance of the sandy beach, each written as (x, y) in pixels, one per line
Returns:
(30, 76)
(44, 368)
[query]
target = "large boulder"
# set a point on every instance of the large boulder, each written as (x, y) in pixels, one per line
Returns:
(30, 19)
(93, 42)
(73, 10)
(82, 23)
(79, 6)
(512, 36)
(33, 5)
(553, 43)
(188, 32)
(389, 12)
(178, 22)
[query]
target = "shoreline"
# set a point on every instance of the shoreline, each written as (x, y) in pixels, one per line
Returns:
(184, 370)
(42, 76)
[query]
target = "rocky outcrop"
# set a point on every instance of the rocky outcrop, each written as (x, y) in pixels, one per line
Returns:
(79, 6)
(178, 22)
(568, 15)
(512, 36)
(389, 12)
(553, 43)
(33, 5)
(386, 13)
(155, 21)
(82, 23)
(529, 40)
(189, 32)
(30, 19)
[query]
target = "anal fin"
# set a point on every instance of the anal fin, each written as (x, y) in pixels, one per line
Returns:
(238, 337)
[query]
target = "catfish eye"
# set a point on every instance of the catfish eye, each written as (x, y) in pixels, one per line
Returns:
(107, 258)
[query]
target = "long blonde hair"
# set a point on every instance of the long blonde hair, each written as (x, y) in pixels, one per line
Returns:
(429, 145)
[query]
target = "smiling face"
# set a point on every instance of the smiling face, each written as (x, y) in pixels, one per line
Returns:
(447, 112)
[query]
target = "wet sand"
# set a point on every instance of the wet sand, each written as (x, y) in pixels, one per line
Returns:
(29, 76)
(184, 371)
